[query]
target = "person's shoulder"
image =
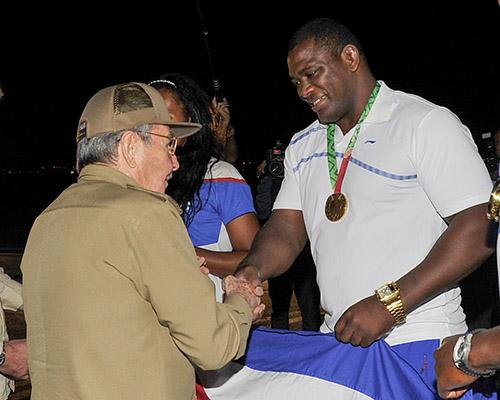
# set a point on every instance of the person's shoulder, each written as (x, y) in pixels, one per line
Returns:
(417, 106)
(428, 112)
(144, 194)
(136, 202)
(222, 169)
(423, 118)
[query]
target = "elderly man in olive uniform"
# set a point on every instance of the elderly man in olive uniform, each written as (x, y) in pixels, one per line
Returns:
(115, 303)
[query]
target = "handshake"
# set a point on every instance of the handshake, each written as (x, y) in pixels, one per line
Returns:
(245, 282)
(251, 291)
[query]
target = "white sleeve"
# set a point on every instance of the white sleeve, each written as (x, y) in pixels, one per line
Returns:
(449, 167)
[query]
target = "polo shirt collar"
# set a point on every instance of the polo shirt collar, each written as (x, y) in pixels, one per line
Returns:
(381, 110)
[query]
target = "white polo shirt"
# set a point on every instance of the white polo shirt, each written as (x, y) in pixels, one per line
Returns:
(414, 163)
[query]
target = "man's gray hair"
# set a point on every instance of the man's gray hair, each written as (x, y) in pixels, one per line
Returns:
(104, 148)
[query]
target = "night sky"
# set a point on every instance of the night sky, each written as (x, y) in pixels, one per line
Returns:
(51, 66)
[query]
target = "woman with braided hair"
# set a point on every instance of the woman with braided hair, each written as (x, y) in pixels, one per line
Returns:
(216, 201)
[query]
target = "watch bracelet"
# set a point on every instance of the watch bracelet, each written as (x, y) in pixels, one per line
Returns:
(397, 310)
(463, 364)
(493, 212)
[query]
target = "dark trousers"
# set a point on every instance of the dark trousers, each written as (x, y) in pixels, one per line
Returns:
(480, 299)
(301, 278)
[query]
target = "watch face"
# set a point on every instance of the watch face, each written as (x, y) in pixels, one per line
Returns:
(460, 350)
(385, 291)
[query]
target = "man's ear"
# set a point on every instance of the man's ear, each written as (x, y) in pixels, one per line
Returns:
(128, 147)
(350, 57)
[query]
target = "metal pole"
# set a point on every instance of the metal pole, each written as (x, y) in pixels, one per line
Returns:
(215, 81)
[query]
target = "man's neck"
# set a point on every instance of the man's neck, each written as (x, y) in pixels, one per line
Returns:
(364, 92)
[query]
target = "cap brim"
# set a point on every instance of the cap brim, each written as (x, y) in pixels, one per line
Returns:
(183, 129)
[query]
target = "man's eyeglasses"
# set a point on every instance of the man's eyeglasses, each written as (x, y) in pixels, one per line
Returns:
(171, 145)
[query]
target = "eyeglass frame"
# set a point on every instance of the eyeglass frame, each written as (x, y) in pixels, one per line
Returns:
(171, 146)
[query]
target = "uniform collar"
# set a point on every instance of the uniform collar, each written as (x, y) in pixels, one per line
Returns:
(381, 110)
(106, 173)
(102, 172)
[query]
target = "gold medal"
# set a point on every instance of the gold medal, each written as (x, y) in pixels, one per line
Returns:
(336, 207)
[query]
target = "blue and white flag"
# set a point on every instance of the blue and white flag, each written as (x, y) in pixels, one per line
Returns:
(291, 365)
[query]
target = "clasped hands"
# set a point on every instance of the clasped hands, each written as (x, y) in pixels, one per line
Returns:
(247, 279)
(361, 324)
(251, 290)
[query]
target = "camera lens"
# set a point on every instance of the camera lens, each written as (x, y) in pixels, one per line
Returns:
(276, 169)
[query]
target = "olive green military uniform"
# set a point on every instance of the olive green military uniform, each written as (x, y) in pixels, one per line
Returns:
(115, 304)
(10, 299)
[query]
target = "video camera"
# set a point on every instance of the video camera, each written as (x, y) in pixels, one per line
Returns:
(486, 149)
(275, 157)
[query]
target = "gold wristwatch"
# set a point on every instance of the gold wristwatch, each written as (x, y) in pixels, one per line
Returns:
(493, 213)
(389, 296)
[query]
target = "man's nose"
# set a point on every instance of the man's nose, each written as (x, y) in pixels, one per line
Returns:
(304, 90)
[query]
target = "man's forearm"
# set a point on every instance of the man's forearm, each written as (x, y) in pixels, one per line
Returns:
(221, 263)
(485, 350)
(277, 244)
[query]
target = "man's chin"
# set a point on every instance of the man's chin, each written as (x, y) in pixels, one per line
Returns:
(324, 119)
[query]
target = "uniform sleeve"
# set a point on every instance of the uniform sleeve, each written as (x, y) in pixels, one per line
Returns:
(448, 165)
(210, 334)
(10, 292)
(289, 195)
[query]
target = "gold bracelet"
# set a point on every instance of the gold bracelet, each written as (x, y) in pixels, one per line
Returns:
(397, 310)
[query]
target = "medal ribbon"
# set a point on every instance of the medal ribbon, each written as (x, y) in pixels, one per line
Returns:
(336, 178)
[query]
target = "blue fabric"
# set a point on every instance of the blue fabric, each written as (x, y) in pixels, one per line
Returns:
(420, 355)
(223, 199)
(379, 371)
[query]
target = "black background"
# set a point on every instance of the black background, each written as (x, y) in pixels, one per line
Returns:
(54, 59)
